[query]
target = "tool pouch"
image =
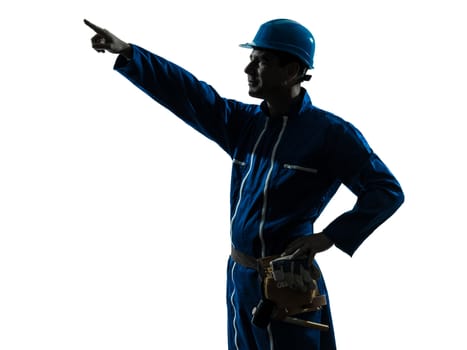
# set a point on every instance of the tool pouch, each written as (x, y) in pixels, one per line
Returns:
(281, 302)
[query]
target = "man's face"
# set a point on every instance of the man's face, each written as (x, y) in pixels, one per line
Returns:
(266, 77)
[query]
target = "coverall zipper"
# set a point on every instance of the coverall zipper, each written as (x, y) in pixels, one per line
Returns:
(266, 184)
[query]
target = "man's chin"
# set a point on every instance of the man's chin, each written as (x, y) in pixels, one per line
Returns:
(254, 93)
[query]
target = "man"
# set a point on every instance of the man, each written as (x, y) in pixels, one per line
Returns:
(288, 160)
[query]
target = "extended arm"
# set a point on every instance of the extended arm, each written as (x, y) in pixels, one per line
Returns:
(193, 101)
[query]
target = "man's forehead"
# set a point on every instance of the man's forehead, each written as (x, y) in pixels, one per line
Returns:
(261, 53)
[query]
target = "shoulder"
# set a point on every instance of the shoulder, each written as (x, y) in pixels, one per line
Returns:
(326, 120)
(244, 110)
(335, 122)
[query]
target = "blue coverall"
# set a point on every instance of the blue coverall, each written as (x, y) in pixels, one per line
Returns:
(284, 172)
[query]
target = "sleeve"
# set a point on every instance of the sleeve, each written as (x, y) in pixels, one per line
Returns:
(378, 192)
(193, 101)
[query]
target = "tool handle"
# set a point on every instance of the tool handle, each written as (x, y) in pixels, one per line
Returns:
(304, 323)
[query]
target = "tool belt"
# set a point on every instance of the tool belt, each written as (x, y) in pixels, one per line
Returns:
(280, 303)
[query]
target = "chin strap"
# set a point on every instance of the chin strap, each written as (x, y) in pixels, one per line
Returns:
(305, 77)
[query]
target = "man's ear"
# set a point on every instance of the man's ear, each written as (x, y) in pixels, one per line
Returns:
(293, 70)
(294, 73)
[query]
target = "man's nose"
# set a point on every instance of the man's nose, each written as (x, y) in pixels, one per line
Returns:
(249, 67)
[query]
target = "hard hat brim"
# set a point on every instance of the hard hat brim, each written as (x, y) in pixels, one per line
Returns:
(248, 45)
(253, 45)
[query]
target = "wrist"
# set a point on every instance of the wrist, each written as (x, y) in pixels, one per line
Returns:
(325, 241)
(127, 52)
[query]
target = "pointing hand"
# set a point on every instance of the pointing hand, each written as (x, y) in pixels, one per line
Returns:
(106, 41)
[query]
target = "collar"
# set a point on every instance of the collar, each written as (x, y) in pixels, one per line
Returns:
(302, 103)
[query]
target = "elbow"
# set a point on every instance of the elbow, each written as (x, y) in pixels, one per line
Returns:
(401, 198)
(395, 199)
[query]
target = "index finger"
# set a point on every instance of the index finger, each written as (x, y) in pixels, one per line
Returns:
(97, 29)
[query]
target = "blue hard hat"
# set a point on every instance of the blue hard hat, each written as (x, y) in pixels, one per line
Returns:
(287, 36)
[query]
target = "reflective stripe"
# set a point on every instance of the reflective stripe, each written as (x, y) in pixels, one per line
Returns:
(265, 191)
(234, 320)
(246, 176)
(271, 340)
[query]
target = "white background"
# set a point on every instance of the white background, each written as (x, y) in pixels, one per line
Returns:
(114, 214)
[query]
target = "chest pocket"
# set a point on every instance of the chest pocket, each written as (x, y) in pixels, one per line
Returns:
(300, 168)
(297, 178)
